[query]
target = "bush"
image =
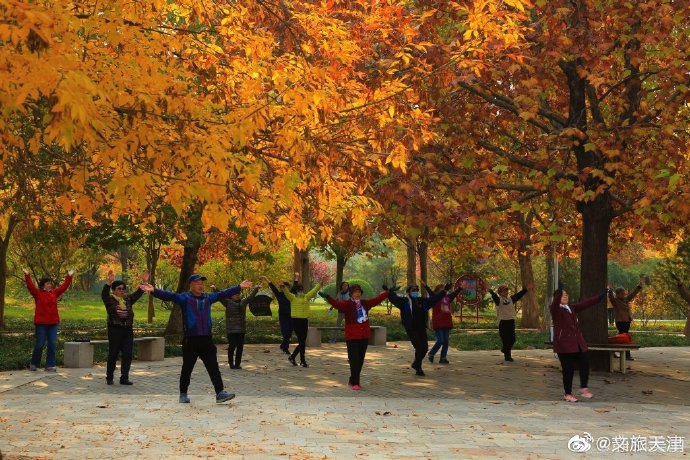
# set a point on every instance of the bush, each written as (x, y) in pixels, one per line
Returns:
(367, 290)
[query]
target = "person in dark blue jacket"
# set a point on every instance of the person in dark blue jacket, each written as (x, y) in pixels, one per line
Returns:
(284, 317)
(198, 340)
(414, 318)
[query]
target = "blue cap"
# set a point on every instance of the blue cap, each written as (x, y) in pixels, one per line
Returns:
(196, 277)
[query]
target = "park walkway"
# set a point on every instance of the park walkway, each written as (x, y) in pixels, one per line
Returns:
(476, 407)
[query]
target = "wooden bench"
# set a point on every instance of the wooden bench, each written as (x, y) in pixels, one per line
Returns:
(612, 349)
(80, 354)
(378, 335)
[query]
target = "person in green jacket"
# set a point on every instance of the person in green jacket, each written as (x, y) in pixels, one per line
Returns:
(300, 319)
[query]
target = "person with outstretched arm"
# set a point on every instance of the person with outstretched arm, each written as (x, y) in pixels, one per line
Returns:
(299, 313)
(357, 328)
(198, 341)
(284, 308)
(46, 318)
(414, 317)
(620, 300)
(505, 315)
(119, 306)
(568, 341)
(441, 322)
(236, 325)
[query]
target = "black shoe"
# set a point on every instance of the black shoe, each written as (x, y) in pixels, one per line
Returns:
(109, 381)
(232, 366)
(508, 358)
(443, 361)
(420, 372)
(431, 358)
(292, 360)
(304, 364)
(237, 367)
(125, 382)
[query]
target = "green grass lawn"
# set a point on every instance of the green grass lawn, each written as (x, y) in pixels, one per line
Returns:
(84, 315)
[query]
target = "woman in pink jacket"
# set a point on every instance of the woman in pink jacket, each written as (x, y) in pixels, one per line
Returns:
(568, 341)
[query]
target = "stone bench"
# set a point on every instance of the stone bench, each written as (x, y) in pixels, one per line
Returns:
(612, 349)
(80, 354)
(378, 335)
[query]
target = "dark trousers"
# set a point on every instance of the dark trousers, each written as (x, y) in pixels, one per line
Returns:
(300, 326)
(285, 331)
(623, 326)
(120, 340)
(235, 347)
(420, 342)
(506, 329)
(199, 347)
(356, 351)
(568, 363)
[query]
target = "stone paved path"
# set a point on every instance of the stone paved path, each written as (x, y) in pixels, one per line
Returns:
(476, 407)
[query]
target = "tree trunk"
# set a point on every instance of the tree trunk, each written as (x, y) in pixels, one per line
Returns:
(189, 259)
(123, 252)
(530, 307)
(4, 245)
(301, 265)
(596, 221)
(411, 262)
(340, 261)
(153, 252)
(551, 284)
(423, 251)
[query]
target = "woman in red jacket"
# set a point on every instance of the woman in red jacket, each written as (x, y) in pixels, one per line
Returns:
(568, 341)
(46, 318)
(357, 329)
(441, 321)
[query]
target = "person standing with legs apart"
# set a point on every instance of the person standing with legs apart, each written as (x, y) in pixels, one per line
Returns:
(621, 308)
(46, 318)
(120, 319)
(343, 294)
(284, 308)
(198, 339)
(441, 321)
(357, 328)
(505, 314)
(568, 341)
(299, 312)
(415, 319)
(236, 325)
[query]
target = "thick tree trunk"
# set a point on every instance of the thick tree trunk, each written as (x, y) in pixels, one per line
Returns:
(596, 221)
(301, 266)
(189, 259)
(530, 308)
(423, 251)
(411, 262)
(4, 245)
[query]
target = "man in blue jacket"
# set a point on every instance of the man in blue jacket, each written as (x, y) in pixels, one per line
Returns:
(198, 340)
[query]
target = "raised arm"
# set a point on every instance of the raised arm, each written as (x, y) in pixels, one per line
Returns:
(162, 294)
(249, 297)
(224, 294)
(556, 301)
(288, 293)
(429, 302)
(340, 305)
(374, 301)
(497, 300)
(33, 290)
(65, 284)
(396, 300)
(585, 304)
(312, 293)
(634, 293)
(518, 295)
(454, 294)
